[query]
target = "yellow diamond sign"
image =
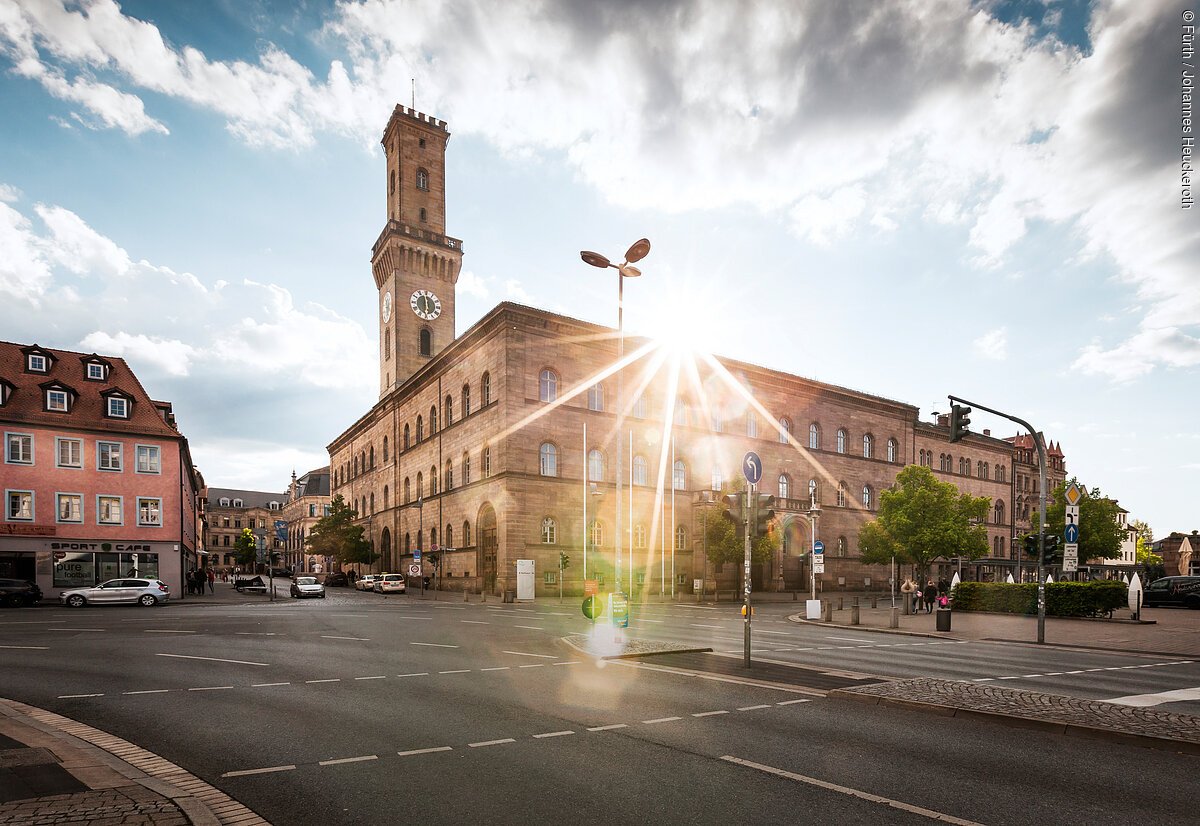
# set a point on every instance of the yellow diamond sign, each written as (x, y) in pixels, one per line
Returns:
(1073, 494)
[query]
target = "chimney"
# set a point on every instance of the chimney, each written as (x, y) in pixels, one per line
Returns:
(943, 420)
(987, 432)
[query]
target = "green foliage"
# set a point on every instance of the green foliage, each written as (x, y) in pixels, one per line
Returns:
(336, 535)
(724, 539)
(245, 547)
(1063, 599)
(921, 519)
(1143, 530)
(1100, 535)
(1145, 556)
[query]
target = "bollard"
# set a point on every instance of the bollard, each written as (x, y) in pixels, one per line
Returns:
(906, 604)
(874, 602)
(827, 611)
(466, 595)
(895, 621)
(840, 603)
(793, 596)
(854, 613)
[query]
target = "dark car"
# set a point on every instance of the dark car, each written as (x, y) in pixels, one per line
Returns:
(19, 592)
(1173, 590)
(337, 579)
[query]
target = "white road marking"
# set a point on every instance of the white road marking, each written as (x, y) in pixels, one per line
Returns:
(552, 734)
(457, 671)
(833, 787)
(380, 677)
(211, 688)
(33, 622)
(259, 771)
(75, 696)
(753, 708)
(415, 674)
(257, 634)
(609, 728)
(356, 639)
(150, 691)
(499, 668)
(643, 619)
(694, 625)
(408, 617)
(530, 627)
(661, 720)
(264, 685)
(411, 752)
(476, 622)
(708, 713)
(1179, 695)
(568, 662)
(526, 654)
(76, 629)
(334, 680)
(210, 659)
(358, 616)
(433, 644)
(792, 702)
(164, 631)
(450, 607)
(564, 614)
(27, 647)
(491, 743)
(782, 633)
(535, 665)
(848, 639)
(341, 760)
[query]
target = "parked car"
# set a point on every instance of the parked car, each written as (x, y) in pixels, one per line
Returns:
(1173, 590)
(307, 586)
(19, 592)
(336, 580)
(366, 582)
(139, 591)
(389, 584)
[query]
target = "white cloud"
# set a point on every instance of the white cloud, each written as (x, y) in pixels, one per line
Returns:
(1139, 354)
(24, 271)
(78, 248)
(514, 291)
(171, 357)
(992, 344)
(471, 284)
(9, 194)
(252, 464)
(824, 219)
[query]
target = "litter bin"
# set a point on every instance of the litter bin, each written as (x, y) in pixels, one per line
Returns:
(510, 596)
(943, 619)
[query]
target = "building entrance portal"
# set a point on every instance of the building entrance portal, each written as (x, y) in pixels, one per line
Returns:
(488, 547)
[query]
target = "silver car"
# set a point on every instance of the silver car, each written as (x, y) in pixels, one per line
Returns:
(137, 591)
(307, 586)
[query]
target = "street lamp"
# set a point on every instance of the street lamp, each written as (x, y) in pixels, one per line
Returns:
(635, 253)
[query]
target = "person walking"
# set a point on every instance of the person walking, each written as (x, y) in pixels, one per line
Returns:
(929, 595)
(212, 581)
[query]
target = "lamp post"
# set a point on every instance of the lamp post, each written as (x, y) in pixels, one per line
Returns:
(634, 254)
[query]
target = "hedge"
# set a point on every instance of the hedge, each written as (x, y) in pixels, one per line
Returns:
(1063, 599)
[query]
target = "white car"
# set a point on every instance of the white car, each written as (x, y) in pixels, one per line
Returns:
(390, 584)
(135, 591)
(365, 582)
(307, 586)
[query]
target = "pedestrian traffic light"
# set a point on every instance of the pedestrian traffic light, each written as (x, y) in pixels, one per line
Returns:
(764, 512)
(960, 421)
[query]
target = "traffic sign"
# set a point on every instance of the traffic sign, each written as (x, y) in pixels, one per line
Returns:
(752, 467)
(1070, 557)
(818, 567)
(417, 555)
(1071, 534)
(1073, 494)
(414, 569)
(818, 547)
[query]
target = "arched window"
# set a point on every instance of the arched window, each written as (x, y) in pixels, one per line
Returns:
(785, 430)
(355, 466)
(466, 468)
(986, 471)
(448, 410)
(595, 399)
(1001, 473)
(548, 386)
(385, 497)
(866, 497)
(680, 538)
(814, 492)
(448, 535)
(814, 437)
(841, 495)
(448, 478)
(420, 429)
(639, 535)
(596, 533)
(841, 546)
(680, 413)
(679, 476)
(420, 485)
(639, 470)
(999, 512)
(433, 420)
(893, 448)
(595, 466)
(639, 407)
(485, 389)
(407, 491)
(425, 342)
(407, 544)
(372, 457)
(549, 531)
(372, 503)
(548, 460)
(945, 462)
(466, 537)
(718, 479)
(868, 446)
(433, 481)
(422, 179)
(433, 538)
(751, 424)
(385, 455)
(841, 441)
(466, 400)
(406, 436)
(387, 344)
(979, 471)
(485, 459)
(785, 486)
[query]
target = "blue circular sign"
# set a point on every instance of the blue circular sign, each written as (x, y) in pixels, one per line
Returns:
(752, 467)
(818, 547)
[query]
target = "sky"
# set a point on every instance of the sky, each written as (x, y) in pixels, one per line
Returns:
(913, 199)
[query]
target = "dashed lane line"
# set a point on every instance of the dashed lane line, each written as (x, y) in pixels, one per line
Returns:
(661, 720)
(266, 685)
(380, 677)
(412, 752)
(27, 647)
(269, 770)
(415, 674)
(476, 622)
(342, 760)
(552, 734)
(77, 629)
(211, 688)
(77, 696)
(457, 671)
(210, 659)
(709, 713)
(356, 639)
(612, 727)
(497, 668)
(534, 665)
(333, 680)
(434, 644)
(164, 631)
(1079, 671)
(530, 627)
(149, 691)
(491, 743)
(527, 654)
(754, 708)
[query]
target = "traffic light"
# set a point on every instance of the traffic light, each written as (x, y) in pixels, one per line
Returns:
(733, 507)
(764, 512)
(960, 421)
(1053, 549)
(564, 561)
(1031, 545)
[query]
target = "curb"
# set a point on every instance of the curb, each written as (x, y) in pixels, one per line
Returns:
(800, 620)
(199, 801)
(1016, 721)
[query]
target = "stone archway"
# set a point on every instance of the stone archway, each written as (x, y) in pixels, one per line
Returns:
(797, 535)
(385, 551)
(487, 547)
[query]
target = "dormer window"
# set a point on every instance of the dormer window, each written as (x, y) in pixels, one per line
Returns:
(224, 502)
(118, 407)
(273, 506)
(37, 364)
(6, 389)
(237, 503)
(96, 372)
(57, 401)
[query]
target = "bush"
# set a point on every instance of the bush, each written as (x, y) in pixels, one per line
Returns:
(1063, 599)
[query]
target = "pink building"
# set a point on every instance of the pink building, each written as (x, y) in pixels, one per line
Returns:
(98, 481)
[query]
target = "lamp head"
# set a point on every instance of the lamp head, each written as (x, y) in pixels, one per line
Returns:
(638, 251)
(629, 271)
(595, 259)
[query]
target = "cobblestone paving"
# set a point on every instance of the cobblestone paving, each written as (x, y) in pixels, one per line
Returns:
(133, 805)
(1032, 705)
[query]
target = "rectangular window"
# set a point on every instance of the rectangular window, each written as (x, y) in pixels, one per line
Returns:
(20, 505)
(96, 371)
(56, 400)
(70, 507)
(225, 540)
(108, 510)
(37, 363)
(149, 511)
(550, 578)
(148, 459)
(108, 456)
(75, 570)
(118, 408)
(70, 452)
(312, 510)
(18, 448)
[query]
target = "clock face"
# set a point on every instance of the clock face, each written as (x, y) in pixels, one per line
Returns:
(387, 307)
(426, 305)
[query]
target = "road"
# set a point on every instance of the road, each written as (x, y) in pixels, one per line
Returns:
(361, 708)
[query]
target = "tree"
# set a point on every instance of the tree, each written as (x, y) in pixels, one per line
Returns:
(1100, 534)
(1143, 530)
(336, 535)
(921, 519)
(1145, 555)
(724, 538)
(245, 547)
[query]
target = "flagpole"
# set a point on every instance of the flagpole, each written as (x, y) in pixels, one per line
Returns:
(673, 516)
(585, 496)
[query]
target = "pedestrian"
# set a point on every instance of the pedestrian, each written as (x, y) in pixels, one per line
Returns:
(929, 594)
(191, 581)
(212, 581)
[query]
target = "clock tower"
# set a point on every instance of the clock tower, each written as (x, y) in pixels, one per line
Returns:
(414, 262)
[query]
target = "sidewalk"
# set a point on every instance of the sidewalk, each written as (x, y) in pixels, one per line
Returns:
(54, 770)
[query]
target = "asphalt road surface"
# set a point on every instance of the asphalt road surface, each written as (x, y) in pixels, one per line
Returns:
(361, 709)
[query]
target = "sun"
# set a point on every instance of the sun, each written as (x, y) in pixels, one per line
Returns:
(690, 322)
